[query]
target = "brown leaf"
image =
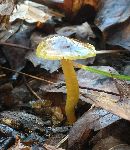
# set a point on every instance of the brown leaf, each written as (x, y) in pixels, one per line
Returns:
(95, 119)
(49, 147)
(114, 136)
(119, 130)
(111, 143)
(33, 12)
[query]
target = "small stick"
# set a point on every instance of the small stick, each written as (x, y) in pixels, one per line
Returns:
(15, 45)
(31, 90)
(111, 51)
(98, 90)
(37, 78)
(62, 141)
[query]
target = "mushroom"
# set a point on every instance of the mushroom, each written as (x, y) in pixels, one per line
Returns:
(56, 47)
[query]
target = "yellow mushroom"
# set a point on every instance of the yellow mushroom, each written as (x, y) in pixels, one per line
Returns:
(56, 47)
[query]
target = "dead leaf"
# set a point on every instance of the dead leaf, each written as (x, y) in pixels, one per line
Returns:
(112, 12)
(18, 119)
(6, 34)
(33, 12)
(66, 31)
(113, 20)
(111, 143)
(15, 55)
(105, 98)
(117, 134)
(109, 102)
(119, 35)
(30, 13)
(6, 8)
(49, 65)
(82, 31)
(49, 147)
(95, 119)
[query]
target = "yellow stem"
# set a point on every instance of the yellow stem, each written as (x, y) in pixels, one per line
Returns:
(72, 89)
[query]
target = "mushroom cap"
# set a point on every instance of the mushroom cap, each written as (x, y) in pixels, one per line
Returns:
(56, 47)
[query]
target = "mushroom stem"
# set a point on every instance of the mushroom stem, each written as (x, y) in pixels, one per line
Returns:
(72, 89)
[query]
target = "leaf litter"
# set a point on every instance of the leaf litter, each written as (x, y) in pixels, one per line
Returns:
(19, 104)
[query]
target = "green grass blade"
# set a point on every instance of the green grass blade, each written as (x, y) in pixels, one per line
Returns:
(104, 73)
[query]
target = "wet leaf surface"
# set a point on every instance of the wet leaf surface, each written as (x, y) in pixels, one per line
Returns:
(94, 119)
(82, 31)
(21, 38)
(113, 20)
(112, 12)
(119, 35)
(114, 136)
(111, 143)
(22, 120)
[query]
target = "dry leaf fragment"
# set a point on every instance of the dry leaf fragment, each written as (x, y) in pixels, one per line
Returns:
(119, 35)
(113, 20)
(6, 8)
(111, 143)
(33, 12)
(49, 65)
(95, 119)
(82, 31)
(112, 12)
(30, 13)
(49, 147)
(113, 136)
